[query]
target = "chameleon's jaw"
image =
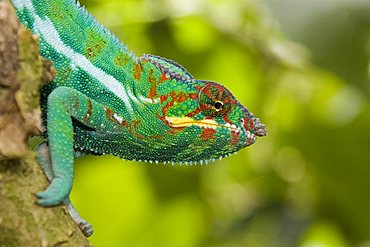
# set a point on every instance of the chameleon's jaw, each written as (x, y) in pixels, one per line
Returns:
(178, 122)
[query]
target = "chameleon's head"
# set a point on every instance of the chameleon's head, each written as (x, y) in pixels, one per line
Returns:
(215, 122)
(219, 117)
(206, 121)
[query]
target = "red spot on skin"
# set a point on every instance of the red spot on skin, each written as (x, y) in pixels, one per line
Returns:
(163, 78)
(139, 136)
(169, 104)
(194, 96)
(175, 130)
(179, 97)
(193, 113)
(182, 98)
(162, 118)
(154, 84)
(248, 123)
(235, 137)
(151, 79)
(135, 123)
(227, 120)
(208, 134)
(89, 110)
(153, 88)
(108, 114)
(90, 53)
(120, 60)
(163, 98)
(157, 137)
(77, 104)
(131, 128)
(137, 72)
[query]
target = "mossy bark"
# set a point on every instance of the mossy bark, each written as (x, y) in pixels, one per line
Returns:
(22, 72)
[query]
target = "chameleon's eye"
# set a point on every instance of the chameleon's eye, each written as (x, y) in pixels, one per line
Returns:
(215, 100)
(218, 105)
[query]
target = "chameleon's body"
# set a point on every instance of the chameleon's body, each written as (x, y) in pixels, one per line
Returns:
(106, 100)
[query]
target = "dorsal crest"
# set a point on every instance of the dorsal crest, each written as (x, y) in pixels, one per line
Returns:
(171, 68)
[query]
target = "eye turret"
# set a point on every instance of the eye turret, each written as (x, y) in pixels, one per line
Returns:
(215, 100)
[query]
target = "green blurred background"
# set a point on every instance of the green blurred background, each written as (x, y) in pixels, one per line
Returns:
(302, 67)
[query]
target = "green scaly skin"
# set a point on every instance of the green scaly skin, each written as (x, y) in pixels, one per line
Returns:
(106, 100)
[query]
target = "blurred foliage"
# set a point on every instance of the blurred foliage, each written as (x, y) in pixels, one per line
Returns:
(305, 184)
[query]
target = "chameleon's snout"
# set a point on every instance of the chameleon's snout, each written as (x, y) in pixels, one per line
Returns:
(259, 128)
(254, 125)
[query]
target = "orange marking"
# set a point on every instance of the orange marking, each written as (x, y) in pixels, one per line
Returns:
(77, 104)
(153, 88)
(137, 72)
(235, 137)
(208, 134)
(89, 110)
(135, 123)
(175, 130)
(193, 113)
(194, 96)
(163, 78)
(157, 137)
(163, 98)
(120, 60)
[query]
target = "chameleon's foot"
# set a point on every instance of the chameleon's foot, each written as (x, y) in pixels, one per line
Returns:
(54, 194)
(84, 226)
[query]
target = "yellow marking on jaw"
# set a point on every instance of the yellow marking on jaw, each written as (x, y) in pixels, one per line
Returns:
(205, 123)
(187, 121)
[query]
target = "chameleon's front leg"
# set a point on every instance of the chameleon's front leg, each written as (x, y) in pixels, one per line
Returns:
(64, 103)
(44, 159)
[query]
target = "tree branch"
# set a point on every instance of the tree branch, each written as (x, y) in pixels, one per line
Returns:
(22, 72)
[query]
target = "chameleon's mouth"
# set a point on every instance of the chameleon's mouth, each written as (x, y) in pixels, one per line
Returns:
(178, 122)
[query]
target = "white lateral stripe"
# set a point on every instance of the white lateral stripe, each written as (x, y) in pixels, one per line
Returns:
(51, 36)
(21, 4)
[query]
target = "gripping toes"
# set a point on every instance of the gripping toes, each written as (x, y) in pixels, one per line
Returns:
(86, 228)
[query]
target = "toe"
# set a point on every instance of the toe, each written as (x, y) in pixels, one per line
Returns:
(86, 228)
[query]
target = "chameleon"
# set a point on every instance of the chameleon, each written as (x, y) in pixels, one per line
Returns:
(106, 100)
